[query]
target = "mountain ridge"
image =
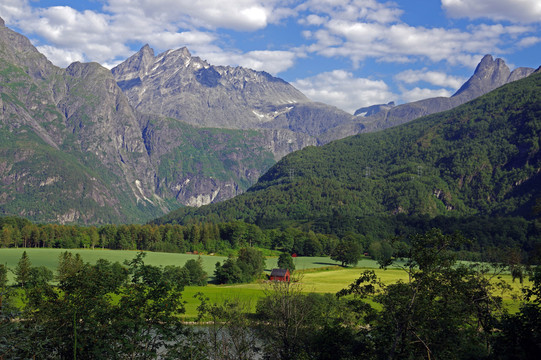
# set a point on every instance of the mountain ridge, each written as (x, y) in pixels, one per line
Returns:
(129, 167)
(192, 90)
(179, 85)
(489, 74)
(481, 158)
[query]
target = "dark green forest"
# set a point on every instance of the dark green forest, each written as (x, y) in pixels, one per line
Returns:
(481, 159)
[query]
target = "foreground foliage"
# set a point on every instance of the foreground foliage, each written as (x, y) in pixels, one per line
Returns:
(101, 311)
(443, 310)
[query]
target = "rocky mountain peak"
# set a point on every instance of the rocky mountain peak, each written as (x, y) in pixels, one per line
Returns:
(2, 23)
(488, 75)
(82, 70)
(136, 65)
(178, 85)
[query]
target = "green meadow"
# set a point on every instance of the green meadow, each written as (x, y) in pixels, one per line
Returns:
(315, 274)
(49, 258)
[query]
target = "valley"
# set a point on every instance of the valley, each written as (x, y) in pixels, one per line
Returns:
(164, 191)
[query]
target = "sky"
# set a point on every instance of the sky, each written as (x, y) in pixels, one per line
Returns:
(346, 53)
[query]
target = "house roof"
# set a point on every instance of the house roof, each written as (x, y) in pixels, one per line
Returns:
(278, 272)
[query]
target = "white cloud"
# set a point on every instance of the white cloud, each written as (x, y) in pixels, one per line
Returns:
(432, 77)
(350, 28)
(520, 11)
(14, 10)
(353, 10)
(341, 89)
(174, 40)
(63, 25)
(420, 94)
(529, 41)
(164, 24)
(244, 15)
(60, 57)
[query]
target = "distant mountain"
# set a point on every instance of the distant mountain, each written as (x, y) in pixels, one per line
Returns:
(87, 145)
(373, 109)
(481, 158)
(179, 85)
(73, 149)
(489, 75)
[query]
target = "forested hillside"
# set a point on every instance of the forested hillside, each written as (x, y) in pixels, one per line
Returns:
(481, 158)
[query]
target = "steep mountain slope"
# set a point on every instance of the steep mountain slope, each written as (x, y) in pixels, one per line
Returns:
(482, 158)
(72, 148)
(178, 85)
(48, 147)
(489, 75)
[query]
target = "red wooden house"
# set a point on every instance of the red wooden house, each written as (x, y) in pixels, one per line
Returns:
(279, 275)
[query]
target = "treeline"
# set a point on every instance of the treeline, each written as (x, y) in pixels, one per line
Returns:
(492, 239)
(197, 237)
(28, 276)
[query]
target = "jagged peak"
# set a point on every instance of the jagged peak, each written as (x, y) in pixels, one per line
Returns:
(145, 51)
(2, 22)
(488, 65)
(485, 61)
(489, 74)
(182, 53)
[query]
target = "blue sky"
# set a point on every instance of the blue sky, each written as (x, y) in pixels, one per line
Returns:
(347, 53)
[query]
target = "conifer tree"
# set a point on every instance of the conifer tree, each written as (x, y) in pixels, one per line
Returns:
(22, 271)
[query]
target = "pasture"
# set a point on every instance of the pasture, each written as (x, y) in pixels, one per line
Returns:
(325, 280)
(48, 257)
(316, 274)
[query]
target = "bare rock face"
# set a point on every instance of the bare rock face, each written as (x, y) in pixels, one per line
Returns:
(74, 150)
(87, 145)
(177, 85)
(489, 75)
(373, 109)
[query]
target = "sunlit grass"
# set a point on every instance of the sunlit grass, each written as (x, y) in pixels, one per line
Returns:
(316, 274)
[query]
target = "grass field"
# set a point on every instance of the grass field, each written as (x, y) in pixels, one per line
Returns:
(317, 274)
(324, 280)
(49, 258)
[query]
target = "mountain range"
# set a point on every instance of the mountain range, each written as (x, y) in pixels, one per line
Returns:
(90, 145)
(177, 85)
(482, 158)
(73, 149)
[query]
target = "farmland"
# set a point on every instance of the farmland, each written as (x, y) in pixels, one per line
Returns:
(315, 274)
(48, 257)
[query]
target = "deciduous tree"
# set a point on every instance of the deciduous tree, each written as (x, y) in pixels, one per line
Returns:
(347, 252)
(445, 310)
(285, 261)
